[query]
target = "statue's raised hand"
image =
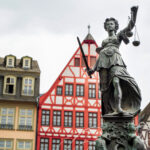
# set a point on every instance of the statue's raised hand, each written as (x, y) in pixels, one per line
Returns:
(134, 9)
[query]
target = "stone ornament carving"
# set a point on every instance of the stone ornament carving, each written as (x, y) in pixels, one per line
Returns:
(119, 136)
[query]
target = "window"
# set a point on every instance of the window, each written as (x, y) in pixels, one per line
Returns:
(77, 62)
(68, 119)
(28, 86)
(25, 119)
(56, 144)
(69, 89)
(79, 90)
(24, 145)
(92, 120)
(7, 118)
(26, 63)
(79, 145)
(44, 144)
(56, 118)
(92, 145)
(67, 144)
(92, 90)
(92, 61)
(82, 61)
(149, 138)
(9, 85)
(45, 117)
(6, 144)
(79, 119)
(10, 61)
(59, 90)
(99, 92)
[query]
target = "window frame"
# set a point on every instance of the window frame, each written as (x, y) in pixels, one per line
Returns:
(44, 142)
(81, 119)
(45, 121)
(91, 65)
(91, 94)
(5, 84)
(99, 92)
(69, 85)
(24, 63)
(57, 91)
(24, 140)
(25, 126)
(28, 85)
(7, 115)
(55, 144)
(92, 145)
(148, 139)
(7, 61)
(80, 93)
(80, 148)
(56, 123)
(7, 139)
(68, 117)
(91, 120)
(77, 61)
(67, 144)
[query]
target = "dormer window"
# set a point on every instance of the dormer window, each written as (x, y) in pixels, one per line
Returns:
(26, 63)
(10, 61)
(9, 85)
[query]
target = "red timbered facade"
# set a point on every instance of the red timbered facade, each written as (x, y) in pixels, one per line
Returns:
(144, 131)
(69, 115)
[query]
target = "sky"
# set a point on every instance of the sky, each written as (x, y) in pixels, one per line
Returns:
(46, 30)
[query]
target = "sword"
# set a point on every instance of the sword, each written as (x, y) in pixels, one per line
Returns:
(84, 58)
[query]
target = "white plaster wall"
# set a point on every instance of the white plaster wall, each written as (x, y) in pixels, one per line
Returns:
(93, 49)
(67, 72)
(59, 99)
(69, 80)
(85, 48)
(76, 71)
(80, 81)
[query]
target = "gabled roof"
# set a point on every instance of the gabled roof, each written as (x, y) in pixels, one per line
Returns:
(89, 39)
(144, 115)
(10, 55)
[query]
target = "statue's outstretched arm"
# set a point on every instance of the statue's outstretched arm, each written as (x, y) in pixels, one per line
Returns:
(132, 21)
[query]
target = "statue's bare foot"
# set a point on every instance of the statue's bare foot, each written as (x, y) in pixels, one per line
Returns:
(123, 113)
(112, 114)
(120, 111)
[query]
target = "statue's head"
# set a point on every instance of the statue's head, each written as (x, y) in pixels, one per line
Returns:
(131, 127)
(111, 24)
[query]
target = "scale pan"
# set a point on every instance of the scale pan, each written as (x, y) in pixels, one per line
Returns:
(136, 43)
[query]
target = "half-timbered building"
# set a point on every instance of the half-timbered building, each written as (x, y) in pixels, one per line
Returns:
(144, 130)
(69, 115)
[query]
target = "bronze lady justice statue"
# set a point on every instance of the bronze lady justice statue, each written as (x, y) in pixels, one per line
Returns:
(120, 92)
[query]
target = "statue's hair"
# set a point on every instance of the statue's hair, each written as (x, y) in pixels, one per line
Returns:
(115, 21)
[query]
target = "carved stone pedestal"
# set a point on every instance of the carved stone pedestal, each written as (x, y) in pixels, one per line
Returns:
(119, 133)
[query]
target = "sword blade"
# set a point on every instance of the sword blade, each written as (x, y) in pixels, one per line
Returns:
(83, 55)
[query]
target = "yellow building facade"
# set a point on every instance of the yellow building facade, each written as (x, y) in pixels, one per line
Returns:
(19, 89)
